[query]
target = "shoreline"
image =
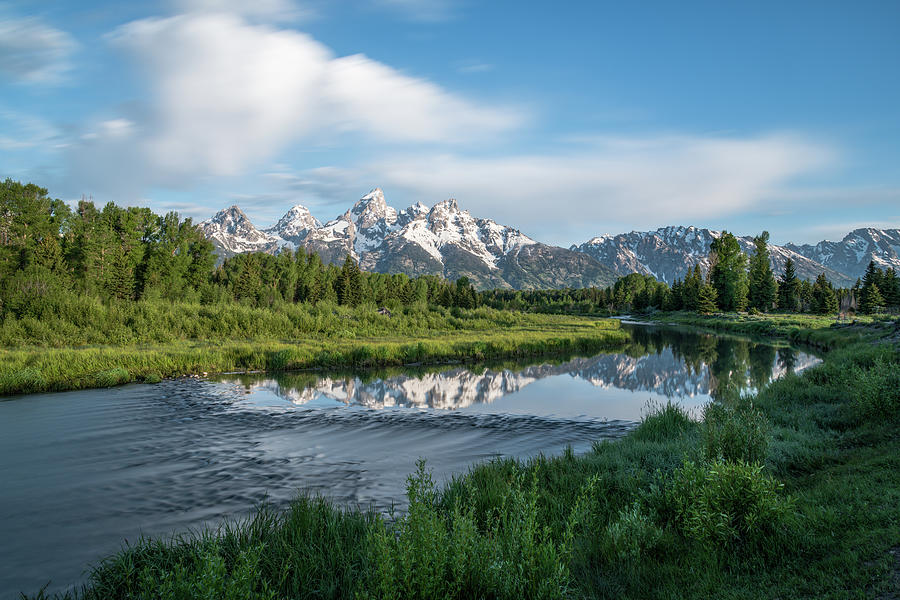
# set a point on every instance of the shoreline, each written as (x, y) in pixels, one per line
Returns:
(36, 369)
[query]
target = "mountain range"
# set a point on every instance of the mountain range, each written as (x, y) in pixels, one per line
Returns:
(445, 240)
(441, 240)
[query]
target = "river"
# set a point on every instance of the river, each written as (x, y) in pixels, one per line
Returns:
(81, 472)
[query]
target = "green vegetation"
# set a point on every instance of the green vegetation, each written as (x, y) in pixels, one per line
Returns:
(794, 492)
(93, 298)
(165, 339)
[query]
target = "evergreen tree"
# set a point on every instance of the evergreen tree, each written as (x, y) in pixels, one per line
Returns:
(706, 302)
(825, 301)
(806, 295)
(870, 300)
(248, 284)
(890, 288)
(789, 289)
(690, 290)
(728, 272)
(762, 286)
(349, 286)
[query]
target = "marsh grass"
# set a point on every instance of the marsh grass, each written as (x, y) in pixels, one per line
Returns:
(372, 340)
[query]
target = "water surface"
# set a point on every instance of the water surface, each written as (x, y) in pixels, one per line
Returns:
(82, 471)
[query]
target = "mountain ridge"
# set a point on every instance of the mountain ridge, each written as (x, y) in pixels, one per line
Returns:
(442, 240)
(448, 241)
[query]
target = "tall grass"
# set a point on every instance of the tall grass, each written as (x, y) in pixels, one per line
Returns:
(291, 337)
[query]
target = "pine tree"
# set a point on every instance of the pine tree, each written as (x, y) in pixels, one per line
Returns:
(825, 301)
(890, 288)
(762, 286)
(870, 300)
(789, 289)
(728, 273)
(706, 302)
(350, 283)
(690, 290)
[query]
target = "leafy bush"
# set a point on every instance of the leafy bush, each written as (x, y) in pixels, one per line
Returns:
(876, 391)
(434, 553)
(728, 505)
(632, 534)
(735, 432)
(207, 577)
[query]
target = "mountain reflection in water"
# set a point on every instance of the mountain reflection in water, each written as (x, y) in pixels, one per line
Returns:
(666, 363)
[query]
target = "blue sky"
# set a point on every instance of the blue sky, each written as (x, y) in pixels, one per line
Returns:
(566, 120)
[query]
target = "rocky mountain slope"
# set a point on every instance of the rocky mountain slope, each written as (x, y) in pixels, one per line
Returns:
(669, 252)
(854, 253)
(443, 240)
(231, 232)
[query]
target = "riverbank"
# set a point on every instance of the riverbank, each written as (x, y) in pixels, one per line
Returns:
(357, 341)
(817, 331)
(792, 493)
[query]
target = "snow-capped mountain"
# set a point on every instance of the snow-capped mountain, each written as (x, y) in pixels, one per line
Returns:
(446, 240)
(443, 240)
(294, 225)
(231, 232)
(854, 253)
(670, 252)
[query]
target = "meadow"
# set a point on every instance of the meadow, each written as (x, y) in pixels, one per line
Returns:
(792, 492)
(85, 343)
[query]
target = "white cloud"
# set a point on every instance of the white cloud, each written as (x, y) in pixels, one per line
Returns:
(32, 52)
(226, 94)
(644, 182)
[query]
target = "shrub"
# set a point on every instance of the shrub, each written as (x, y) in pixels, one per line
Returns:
(728, 505)
(876, 391)
(735, 432)
(632, 534)
(663, 423)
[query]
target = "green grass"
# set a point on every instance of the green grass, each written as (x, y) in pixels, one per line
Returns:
(818, 331)
(308, 339)
(793, 493)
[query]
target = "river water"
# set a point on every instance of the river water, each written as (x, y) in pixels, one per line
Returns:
(82, 472)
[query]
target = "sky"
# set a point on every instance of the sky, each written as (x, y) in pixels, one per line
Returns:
(563, 119)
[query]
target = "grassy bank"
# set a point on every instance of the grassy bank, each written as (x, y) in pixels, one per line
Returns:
(164, 340)
(822, 332)
(794, 492)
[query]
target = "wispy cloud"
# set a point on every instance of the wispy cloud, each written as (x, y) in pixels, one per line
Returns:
(226, 94)
(21, 130)
(33, 52)
(422, 10)
(474, 66)
(646, 181)
(272, 11)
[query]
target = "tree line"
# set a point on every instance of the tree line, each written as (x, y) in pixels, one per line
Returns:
(733, 282)
(49, 250)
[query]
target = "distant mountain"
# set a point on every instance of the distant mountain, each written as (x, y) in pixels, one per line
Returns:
(669, 252)
(231, 232)
(854, 253)
(442, 240)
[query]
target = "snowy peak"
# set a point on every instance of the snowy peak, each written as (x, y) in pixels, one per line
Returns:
(443, 240)
(670, 252)
(856, 250)
(295, 224)
(232, 233)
